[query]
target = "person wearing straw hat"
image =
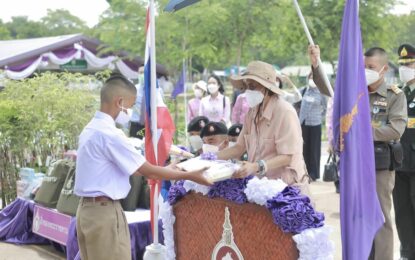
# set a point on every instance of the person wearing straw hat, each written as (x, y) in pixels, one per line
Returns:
(271, 135)
(199, 89)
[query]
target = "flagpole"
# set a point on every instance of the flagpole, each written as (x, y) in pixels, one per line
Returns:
(154, 110)
(185, 103)
(155, 251)
(310, 40)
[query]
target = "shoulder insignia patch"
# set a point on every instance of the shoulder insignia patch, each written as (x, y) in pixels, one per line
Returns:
(396, 89)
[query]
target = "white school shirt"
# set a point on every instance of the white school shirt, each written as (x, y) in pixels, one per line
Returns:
(105, 160)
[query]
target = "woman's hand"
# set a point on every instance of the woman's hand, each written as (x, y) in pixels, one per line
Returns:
(197, 176)
(246, 169)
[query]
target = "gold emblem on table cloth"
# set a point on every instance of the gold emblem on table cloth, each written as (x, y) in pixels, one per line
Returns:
(226, 249)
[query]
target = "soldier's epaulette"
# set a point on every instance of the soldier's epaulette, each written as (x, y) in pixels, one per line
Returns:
(396, 89)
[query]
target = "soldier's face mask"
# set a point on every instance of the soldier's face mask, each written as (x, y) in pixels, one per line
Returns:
(196, 142)
(372, 75)
(406, 73)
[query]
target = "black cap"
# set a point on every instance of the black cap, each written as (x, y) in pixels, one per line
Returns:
(406, 54)
(197, 123)
(214, 128)
(235, 129)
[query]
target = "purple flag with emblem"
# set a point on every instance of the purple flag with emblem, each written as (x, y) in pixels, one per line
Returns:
(180, 85)
(360, 212)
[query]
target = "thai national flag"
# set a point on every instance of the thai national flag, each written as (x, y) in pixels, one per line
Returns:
(159, 126)
(165, 125)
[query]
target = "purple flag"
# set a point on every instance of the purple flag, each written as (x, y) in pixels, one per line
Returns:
(361, 215)
(179, 88)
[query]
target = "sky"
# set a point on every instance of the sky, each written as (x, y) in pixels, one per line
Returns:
(90, 10)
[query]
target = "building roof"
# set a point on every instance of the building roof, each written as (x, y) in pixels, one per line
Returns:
(15, 52)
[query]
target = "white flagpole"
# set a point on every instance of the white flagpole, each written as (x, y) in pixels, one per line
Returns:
(185, 103)
(310, 40)
(154, 109)
(155, 251)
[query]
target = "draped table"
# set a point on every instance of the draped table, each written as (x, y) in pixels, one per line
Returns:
(16, 222)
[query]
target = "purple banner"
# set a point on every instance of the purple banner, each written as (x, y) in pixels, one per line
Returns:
(51, 224)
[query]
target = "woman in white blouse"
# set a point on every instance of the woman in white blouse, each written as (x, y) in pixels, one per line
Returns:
(216, 106)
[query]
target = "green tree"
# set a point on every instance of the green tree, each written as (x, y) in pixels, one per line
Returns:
(41, 116)
(21, 27)
(61, 22)
(4, 31)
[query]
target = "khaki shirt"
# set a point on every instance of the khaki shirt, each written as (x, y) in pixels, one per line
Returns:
(388, 112)
(278, 132)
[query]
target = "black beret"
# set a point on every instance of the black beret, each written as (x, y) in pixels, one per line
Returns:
(406, 54)
(214, 128)
(197, 123)
(234, 130)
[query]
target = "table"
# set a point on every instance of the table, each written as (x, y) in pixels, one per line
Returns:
(16, 221)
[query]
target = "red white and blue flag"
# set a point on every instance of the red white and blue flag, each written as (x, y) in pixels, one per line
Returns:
(159, 126)
(163, 137)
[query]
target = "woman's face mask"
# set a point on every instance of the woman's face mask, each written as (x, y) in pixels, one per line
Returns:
(254, 97)
(198, 93)
(213, 88)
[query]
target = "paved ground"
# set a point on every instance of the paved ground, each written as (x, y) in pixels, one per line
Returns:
(324, 195)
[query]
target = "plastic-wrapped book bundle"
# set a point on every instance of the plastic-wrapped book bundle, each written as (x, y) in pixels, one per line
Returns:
(218, 170)
(29, 180)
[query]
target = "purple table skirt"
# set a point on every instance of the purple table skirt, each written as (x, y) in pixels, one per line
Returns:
(16, 227)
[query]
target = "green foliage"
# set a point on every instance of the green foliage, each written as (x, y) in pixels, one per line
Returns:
(61, 22)
(217, 34)
(41, 116)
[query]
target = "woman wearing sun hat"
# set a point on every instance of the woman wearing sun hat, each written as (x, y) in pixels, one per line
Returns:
(199, 89)
(271, 134)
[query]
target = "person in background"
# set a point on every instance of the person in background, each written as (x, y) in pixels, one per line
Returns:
(404, 191)
(215, 137)
(271, 134)
(312, 112)
(193, 107)
(105, 161)
(137, 118)
(216, 106)
(291, 97)
(233, 134)
(240, 109)
(194, 128)
(314, 54)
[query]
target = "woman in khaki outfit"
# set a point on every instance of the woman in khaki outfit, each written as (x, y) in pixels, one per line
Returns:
(271, 134)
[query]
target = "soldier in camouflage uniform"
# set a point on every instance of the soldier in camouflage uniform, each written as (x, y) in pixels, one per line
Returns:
(404, 191)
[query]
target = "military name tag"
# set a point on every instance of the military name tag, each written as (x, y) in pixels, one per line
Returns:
(411, 122)
(380, 103)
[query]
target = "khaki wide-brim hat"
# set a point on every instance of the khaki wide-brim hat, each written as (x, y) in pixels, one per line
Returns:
(261, 72)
